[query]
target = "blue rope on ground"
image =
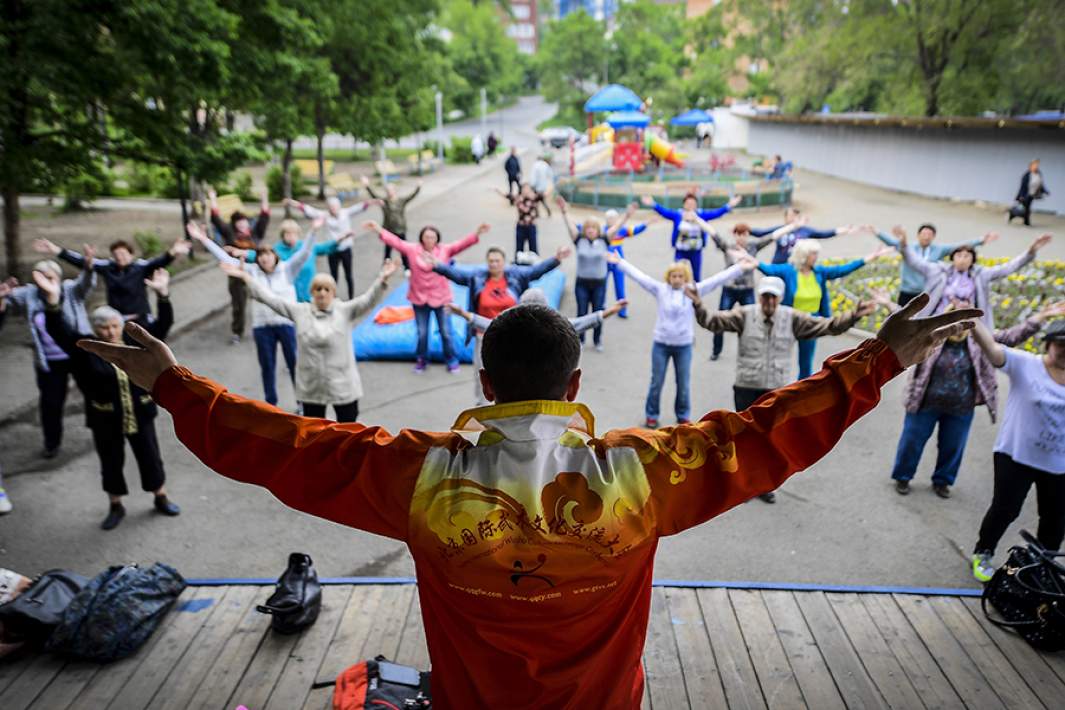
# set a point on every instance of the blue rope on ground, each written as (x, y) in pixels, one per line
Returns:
(682, 583)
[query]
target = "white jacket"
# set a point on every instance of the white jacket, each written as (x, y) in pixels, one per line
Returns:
(326, 372)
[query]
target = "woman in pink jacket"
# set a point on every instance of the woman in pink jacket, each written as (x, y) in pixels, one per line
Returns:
(428, 291)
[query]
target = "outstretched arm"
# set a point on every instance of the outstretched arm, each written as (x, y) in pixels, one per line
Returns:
(360, 304)
(720, 279)
(638, 276)
(996, 354)
(296, 261)
(1018, 262)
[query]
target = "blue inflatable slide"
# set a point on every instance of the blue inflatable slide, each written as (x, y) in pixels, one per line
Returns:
(397, 341)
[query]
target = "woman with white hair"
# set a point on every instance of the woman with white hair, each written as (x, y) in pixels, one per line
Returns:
(51, 363)
(326, 372)
(116, 410)
(338, 225)
(806, 287)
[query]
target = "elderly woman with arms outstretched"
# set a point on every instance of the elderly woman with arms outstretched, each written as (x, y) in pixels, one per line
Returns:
(326, 372)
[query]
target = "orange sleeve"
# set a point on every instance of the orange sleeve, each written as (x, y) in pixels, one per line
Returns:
(351, 474)
(698, 471)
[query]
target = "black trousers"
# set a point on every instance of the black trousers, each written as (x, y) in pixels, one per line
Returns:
(907, 296)
(1012, 481)
(388, 250)
(1026, 203)
(344, 412)
(746, 396)
(525, 235)
(52, 388)
(238, 298)
(338, 259)
(513, 184)
(111, 448)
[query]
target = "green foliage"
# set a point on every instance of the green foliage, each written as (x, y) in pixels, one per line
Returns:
(460, 150)
(241, 186)
(571, 60)
(147, 179)
(433, 145)
(275, 183)
(148, 243)
(481, 54)
(95, 181)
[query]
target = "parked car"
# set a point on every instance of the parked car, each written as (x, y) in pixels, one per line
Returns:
(559, 136)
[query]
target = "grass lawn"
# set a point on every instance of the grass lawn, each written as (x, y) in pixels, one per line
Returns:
(359, 155)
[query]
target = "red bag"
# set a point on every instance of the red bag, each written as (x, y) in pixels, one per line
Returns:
(380, 685)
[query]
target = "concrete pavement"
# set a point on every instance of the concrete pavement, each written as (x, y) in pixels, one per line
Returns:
(839, 522)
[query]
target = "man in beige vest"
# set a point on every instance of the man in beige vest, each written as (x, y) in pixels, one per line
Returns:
(767, 335)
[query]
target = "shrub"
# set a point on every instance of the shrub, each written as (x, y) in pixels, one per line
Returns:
(275, 183)
(148, 243)
(433, 145)
(460, 151)
(241, 186)
(86, 187)
(145, 179)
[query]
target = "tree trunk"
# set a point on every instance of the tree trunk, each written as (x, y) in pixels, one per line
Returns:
(12, 247)
(286, 175)
(319, 129)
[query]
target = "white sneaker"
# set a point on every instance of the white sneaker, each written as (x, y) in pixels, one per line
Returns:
(5, 502)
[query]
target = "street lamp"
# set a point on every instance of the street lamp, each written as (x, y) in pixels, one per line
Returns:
(439, 126)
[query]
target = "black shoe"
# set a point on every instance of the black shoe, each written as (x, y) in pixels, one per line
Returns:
(942, 490)
(166, 507)
(902, 488)
(49, 453)
(770, 497)
(114, 516)
(714, 356)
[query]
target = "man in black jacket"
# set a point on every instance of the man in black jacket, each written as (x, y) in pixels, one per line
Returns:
(115, 408)
(123, 274)
(513, 168)
(1032, 187)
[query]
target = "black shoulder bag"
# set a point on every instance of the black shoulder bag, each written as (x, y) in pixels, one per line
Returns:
(297, 598)
(1029, 594)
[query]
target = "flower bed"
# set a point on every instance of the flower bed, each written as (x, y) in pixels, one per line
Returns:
(1014, 298)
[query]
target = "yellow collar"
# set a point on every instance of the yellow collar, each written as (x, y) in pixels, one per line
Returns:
(527, 420)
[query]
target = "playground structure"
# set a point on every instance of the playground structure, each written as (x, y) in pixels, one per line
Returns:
(612, 169)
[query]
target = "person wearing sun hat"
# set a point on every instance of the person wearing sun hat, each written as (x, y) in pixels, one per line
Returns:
(768, 332)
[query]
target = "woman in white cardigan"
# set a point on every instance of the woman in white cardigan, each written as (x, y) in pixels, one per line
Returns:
(326, 372)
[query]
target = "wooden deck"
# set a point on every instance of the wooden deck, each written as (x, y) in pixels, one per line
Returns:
(706, 648)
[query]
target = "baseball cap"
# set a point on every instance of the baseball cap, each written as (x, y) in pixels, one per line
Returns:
(1055, 331)
(771, 284)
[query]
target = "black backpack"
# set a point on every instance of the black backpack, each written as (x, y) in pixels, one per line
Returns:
(297, 598)
(1028, 592)
(116, 612)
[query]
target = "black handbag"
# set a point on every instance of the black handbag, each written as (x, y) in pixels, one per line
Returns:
(1029, 594)
(34, 614)
(297, 598)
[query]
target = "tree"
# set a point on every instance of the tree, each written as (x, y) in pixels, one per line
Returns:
(570, 61)
(481, 53)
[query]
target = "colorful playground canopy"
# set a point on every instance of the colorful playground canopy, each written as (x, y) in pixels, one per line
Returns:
(692, 117)
(628, 119)
(614, 97)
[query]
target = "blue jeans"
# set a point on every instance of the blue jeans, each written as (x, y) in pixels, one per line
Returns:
(591, 297)
(619, 280)
(693, 257)
(807, 348)
(682, 365)
(916, 429)
(267, 338)
(729, 298)
(443, 322)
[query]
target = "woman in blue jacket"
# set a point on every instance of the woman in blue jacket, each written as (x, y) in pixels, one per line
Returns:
(689, 235)
(806, 287)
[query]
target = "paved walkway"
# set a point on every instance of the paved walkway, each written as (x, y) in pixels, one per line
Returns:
(839, 522)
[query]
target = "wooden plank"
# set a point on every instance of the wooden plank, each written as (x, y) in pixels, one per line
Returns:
(299, 673)
(738, 678)
(1009, 686)
(645, 702)
(880, 663)
(183, 681)
(350, 638)
(412, 647)
(67, 687)
(261, 675)
(237, 653)
(816, 683)
(779, 686)
(1029, 663)
(701, 677)
(108, 681)
(662, 664)
(927, 679)
(388, 626)
(854, 684)
(43, 668)
(176, 633)
(11, 669)
(967, 681)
